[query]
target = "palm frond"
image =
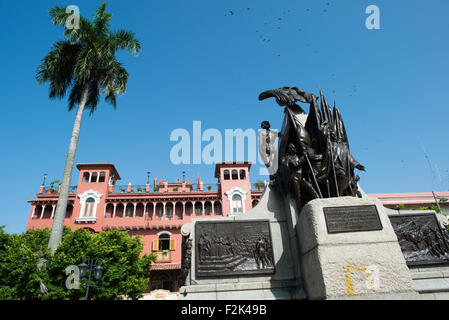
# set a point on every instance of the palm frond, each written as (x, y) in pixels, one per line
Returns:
(102, 20)
(125, 40)
(85, 32)
(75, 95)
(86, 64)
(93, 97)
(58, 16)
(115, 79)
(57, 68)
(112, 100)
(87, 58)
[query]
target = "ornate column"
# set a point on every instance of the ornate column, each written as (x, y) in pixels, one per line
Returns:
(115, 207)
(163, 211)
(53, 211)
(134, 212)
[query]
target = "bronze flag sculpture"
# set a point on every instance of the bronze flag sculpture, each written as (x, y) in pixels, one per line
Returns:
(314, 160)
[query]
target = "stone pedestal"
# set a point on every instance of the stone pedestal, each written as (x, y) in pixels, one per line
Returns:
(284, 283)
(351, 265)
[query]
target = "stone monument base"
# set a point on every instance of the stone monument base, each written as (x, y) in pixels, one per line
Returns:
(284, 283)
(241, 290)
(349, 250)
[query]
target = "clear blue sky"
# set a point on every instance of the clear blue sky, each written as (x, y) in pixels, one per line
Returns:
(200, 62)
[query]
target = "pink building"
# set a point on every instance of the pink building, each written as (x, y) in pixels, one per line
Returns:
(414, 201)
(156, 213)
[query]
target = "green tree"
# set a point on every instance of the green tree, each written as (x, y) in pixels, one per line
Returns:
(85, 64)
(26, 264)
(20, 275)
(125, 271)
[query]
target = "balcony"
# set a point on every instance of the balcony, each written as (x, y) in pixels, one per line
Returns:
(140, 223)
(206, 187)
(163, 256)
(86, 220)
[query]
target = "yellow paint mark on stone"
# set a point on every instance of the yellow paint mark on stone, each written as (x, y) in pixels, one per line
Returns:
(349, 285)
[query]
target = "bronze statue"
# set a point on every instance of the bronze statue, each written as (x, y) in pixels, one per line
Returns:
(267, 150)
(314, 160)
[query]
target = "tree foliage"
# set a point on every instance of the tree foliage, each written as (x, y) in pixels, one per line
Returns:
(26, 264)
(86, 58)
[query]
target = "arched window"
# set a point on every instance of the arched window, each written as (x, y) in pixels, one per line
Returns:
(237, 204)
(235, 175)
(89, 208)
(227, 176)
(102, 177)
(129, 210)
(208, 208)
(159, 210)
(86, 177)
(189, 208)
(217, 208)
(242, 174)
(89, 201)
(237, 199)
(198, 209)
(169, 211)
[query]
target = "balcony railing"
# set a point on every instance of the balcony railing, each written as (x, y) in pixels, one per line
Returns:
(134, 189)
(163, 256)
(55, 190)
(207, 187)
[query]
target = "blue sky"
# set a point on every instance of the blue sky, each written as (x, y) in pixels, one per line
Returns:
(200, 62)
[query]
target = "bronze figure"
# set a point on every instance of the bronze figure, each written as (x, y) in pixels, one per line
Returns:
(314, 160)
(422, 239)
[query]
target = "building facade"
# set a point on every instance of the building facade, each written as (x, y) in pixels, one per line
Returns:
(157, 211)
(154, 212)
(415, 200)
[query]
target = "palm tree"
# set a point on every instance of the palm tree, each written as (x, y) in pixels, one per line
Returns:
(85, 64)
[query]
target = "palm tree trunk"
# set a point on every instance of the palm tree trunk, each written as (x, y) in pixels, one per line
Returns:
(61, 207)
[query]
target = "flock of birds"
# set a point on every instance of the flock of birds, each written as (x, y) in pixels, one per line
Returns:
(278, 24)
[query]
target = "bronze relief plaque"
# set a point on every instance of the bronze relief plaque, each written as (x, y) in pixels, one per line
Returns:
(229, 248)
(352, 219)
(422, 240)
